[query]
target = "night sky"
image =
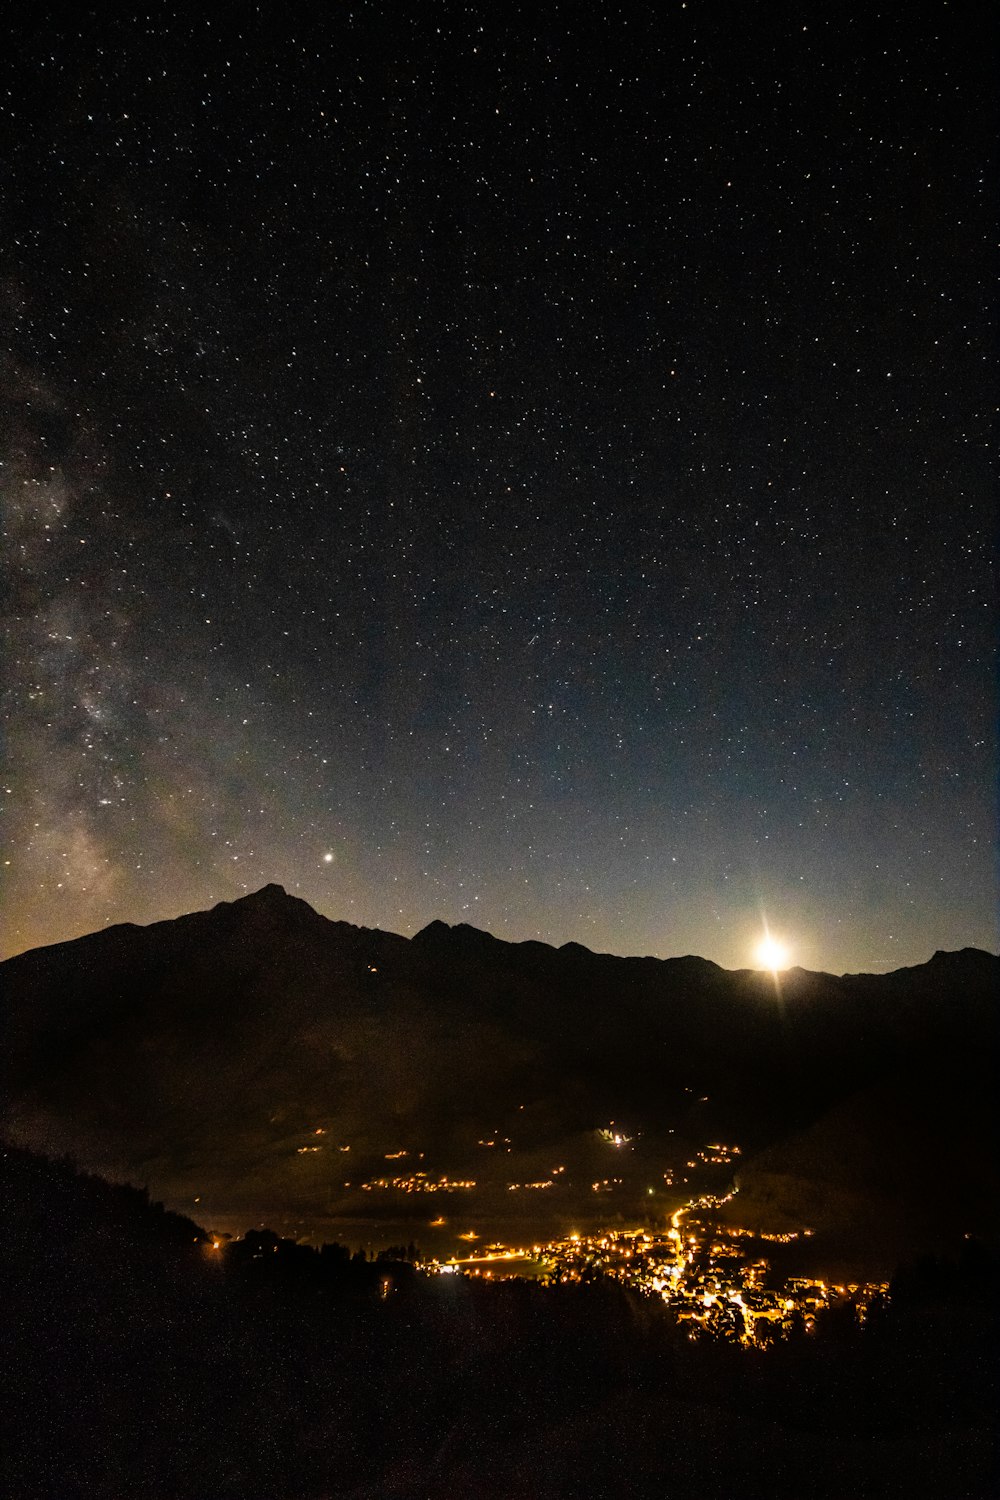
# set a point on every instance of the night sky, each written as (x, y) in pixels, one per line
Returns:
(527, 470)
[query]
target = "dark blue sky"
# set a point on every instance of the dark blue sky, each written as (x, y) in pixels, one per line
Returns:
(531, 472)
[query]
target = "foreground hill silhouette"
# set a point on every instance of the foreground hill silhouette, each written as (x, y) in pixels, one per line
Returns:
(258, 1057)
(139, 1359)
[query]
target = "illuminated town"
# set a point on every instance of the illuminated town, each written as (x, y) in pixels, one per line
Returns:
(701, 1270)
(716, 1276)
(720, 1279)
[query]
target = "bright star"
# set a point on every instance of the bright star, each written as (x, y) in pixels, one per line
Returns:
(328, 858)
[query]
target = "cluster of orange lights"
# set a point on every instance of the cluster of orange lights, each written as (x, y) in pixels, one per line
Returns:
(417, 1182)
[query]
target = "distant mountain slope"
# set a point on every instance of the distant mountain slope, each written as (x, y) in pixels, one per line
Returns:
(910, 1160)
(243, 1050)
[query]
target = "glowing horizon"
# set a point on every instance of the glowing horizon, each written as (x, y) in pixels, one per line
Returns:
(772, 954)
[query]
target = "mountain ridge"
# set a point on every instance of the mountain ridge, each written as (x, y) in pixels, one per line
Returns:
(275, 899)
(263, 1053)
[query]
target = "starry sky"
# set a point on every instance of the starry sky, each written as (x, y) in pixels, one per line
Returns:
(515, 465)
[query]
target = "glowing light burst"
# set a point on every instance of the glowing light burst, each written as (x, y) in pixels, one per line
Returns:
(772, 954)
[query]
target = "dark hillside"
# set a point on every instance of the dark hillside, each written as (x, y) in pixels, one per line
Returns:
(260, 1057)
(141, 1359)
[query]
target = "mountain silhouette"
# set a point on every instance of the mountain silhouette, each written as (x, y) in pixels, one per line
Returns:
(262, 1057)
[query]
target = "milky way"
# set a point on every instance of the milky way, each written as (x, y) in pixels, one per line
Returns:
(524, 471)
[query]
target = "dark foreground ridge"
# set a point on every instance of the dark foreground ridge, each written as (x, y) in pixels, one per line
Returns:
(278, 1065)
(145, 1356)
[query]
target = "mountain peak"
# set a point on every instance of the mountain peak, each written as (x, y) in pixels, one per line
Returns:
(463, 937)
(951, 957)
(433, 931)
(270, 892)
(967, 962)
(272, 902)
